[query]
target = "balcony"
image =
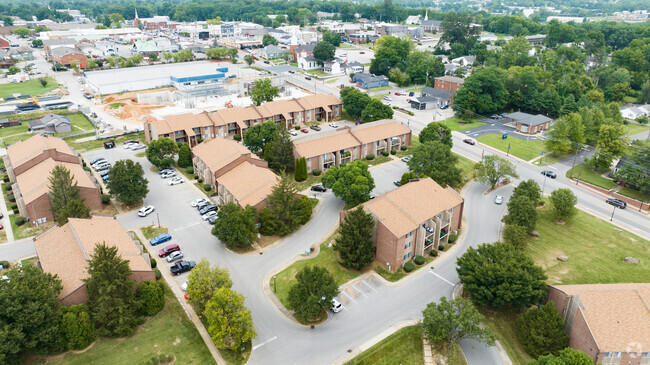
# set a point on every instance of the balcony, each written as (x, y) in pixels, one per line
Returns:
(443, 233)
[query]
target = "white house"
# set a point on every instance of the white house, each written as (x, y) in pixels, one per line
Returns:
(464, 61)
(307, 61)
(334, 67)
(413, 19)
(635, 111)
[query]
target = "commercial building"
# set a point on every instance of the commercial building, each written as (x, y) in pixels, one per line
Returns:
(412, 220)
(64, 251)
(448, 83)
(431, 98)
(67, 55)
(333, 148)
(29, 164)
(609, 322)
(191, 128)
(369, 81)
(528, 123)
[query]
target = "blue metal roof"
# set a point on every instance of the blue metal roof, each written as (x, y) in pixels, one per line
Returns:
(198, 78)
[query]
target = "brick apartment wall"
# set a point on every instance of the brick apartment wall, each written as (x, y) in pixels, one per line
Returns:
(389, 248)
(457, 217)
(39, 208)
(79, 296)
(92, 198)
(581, 338)
(147, 132)
(261, 205)
(141, 276)
(446, 86)
(558, 298)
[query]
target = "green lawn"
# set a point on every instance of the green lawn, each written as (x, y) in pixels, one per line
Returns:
(311, 180)
(403, 347)
(382, 88)
(417, 89)
(32, 87)
(596, 257)
(592, 177)
(467, 167)
(11, 135)
(415, 141)
(207, 193)
(524, 149)
(150, 232)
(170, 332)
(504, 325)
(457, 124)
(637, 128)
(400, 273)
(80, 123)
(99, 143)
(29, 261)
(634, 194)
(26, 230)
(345, 45)
(379, 160)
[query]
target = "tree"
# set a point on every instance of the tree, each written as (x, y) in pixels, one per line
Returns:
(528, 188)
(451, 321)
(65, 196)
(355, 244)
(399, 77)
(568, 356)
(483, 92)
(236, 226)
(262, 91)
(376, 110)
(12, 70)
(494, 168)
(161, 152)
(332, 38)
(569, 105)
(259, 135)
(563, 202)
(611, 144)
(269, 39)
(280, 151)
(636, 168)
(436, 131)
(459, 27)
(21, 31)
(111, 293)
(30, 314)
(204, 281)
(323, 52)
(515, 235)
(422, 67)
(184, 155)
(127, 182)
(151, 295)
(354, 101)
(558, 141)
(313, 291)
(521, 212)
(282, 205)
(436, 161)
(351, 182)
(515, 53)
(249, 59)
(541, 331)
(390, 52)
(301, 169)
(37, 43)
(77, 328)
(497, 275)
(230, 323)
(43, 81)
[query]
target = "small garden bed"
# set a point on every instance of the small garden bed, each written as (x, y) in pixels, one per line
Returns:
(402, 271)
(150, 232)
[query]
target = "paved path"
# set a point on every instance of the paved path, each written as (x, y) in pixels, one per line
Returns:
(5, 221)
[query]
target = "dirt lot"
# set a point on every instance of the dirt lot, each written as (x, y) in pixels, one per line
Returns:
(125, 106)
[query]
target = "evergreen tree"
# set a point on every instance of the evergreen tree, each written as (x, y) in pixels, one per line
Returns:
(541, 331)
(355, 244)
(65, 196)
(569, 105)
(313, 291)
(184, 155)
(283, 216)
(127, 182)
(521, 212)
(111, 293)
(301, 169)
(76, 327)
(280, 155)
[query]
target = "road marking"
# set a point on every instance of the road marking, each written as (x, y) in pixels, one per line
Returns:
(373, 289)
(349, 297)
(359, 291)
(191, 225)
(443, 279)
(264, 343)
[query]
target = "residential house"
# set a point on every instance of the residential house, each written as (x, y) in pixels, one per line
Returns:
(272, 51)
(51, 123)
(369, 81)
(64, 251)
(528, 123)
(448, 83)
(464, 61)
(609, 322)
(66, 55)
(29, 164)
(307, 62)
(634, 111)
(413, 220)
(304, 50)
(355, 67)
(431, 98)
(346, 144)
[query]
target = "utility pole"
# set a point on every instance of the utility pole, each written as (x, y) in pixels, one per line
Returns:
(575, 157)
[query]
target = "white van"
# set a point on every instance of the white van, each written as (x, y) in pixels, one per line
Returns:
(336, 306)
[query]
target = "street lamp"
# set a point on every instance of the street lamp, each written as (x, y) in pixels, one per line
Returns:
(274, 287)
(613, 211)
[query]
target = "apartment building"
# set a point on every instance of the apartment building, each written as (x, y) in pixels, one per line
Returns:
(336, 147)
(448, 83)
(29, 164)
(412, 220)
(64, 251)
(609, 322)
(194, 128)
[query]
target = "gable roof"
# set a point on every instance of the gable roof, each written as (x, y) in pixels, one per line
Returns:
(218, 152)
(366, 77)
(320, 146)
(454, 79)
(405, 208)
(437, 93)
(249, 184)
(23, 151)
(381, 129)
(34, 182)
(64, 51)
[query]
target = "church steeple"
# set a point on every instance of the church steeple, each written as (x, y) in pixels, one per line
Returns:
(426, 14)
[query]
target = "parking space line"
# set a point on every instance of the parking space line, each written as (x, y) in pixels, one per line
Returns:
(264, 343)
(191, 225)
(359, 291)
(349, 297)
(369, 286)
(443, 279)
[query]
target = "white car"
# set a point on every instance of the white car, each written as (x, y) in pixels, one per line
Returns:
(293, 132)
(167, 174)
(334, 125)
(198, 201)
(145, 211)
(209, 214)
(388, 98)
(176, 255)
(137, 147)
(184, 285)
(336, 305)
(498, 200)
(176, 180)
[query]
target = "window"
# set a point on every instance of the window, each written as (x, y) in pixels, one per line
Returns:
(612, 358)
(406, 246)
(645, 358)
(405, 256)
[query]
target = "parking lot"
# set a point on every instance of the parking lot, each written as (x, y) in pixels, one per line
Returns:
(496, 126)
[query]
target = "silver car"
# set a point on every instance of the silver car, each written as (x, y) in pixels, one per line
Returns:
(498, 200)
(176, 255)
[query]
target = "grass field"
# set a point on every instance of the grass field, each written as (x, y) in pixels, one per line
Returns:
(504, 325)
(592, 177)
(467, 167)
(170, 332)
(311, 180)
(99, 143)
(11, 135)
(403, 347)
(417, 89)
(150, 232)
(456, 124)
(29, 261)
(634, 194)
(524, 149)
(637, 128)
(26, 230)
(32, 87)
(382, 88)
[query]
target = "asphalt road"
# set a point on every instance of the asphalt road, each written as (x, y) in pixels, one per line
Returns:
(496, 127)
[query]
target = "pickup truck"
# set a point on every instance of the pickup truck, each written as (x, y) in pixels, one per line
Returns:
(182, 266)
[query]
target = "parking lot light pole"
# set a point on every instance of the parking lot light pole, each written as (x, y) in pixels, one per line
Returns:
(613, 211)
(274, 286)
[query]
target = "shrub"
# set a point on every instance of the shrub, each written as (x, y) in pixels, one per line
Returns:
(433, 253)
(5, 264)
(158, 274)
(77, 328)
(441, 248)
(237, 137)
(153, 262)
(5, 177)
(419, 260)
(318, 119)
(14, 207)
(151, 296)
(296, 127)
(11, 198)
(385, 153)
(106, 198)
(541, 331)
(86, 168)
(316, 172)
(370, 157)
(409, 266)
(200, 181)
(16, 211)
(207, 187)
(196, 177)
(160, 359)
(403, 148)
(393, 152)
(453, 238)
(190, 170)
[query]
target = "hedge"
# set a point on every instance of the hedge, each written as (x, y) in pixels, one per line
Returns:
(393, 152)
(316, 172)
(19, 221)
(237, 137)
(452, 238)
(419, 260)
(385, 153)
(370, 157)
(409, 266)
(190, 170)
(106, 198)
(153, 262)
(5, 264)
(403, 148)
(433, 253)
(158, 274)
(11, 198)
(207, 187)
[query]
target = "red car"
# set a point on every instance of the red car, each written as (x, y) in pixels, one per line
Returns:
(469, 141)
(2, 227)
(398, 93)
(168, 249)
(187, 295)
(304, 130)
(362, 52)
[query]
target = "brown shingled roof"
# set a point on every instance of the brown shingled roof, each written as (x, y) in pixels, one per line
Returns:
(319, 146)
(34, 182)
(381, 129)
(249, 184)
(22, 151)
(218, 152)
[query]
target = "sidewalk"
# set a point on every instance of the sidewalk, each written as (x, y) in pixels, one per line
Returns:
(7, 224)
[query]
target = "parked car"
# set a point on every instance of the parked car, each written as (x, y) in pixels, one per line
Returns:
(106, 177)
(388, 98)
(168, 249)
(138, 147)
(398, 93)
(307, 78)
(99, 159)
(319, 188)
(164, 170)
(145, 211)
(315, 127)
(495, 116)
(198, 201)
(177, 255)
(407, 158)
(293, 132)
(362, 52)
(208, 208)
(213, 219)
(469, 141)
(617, 203)
(304, 130)
(161, 238)
(203, 204)
(210, 214)
(2, 227)
(167, 174)
(88, 96)
(444, 107)
(180, 267)
(498, 200)
(550, 174)
(267, 62)
(334, 125)
(336, 306)
(176, 180)
(102, 167)
(397, 183)
(412, 93)
(185, 285)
